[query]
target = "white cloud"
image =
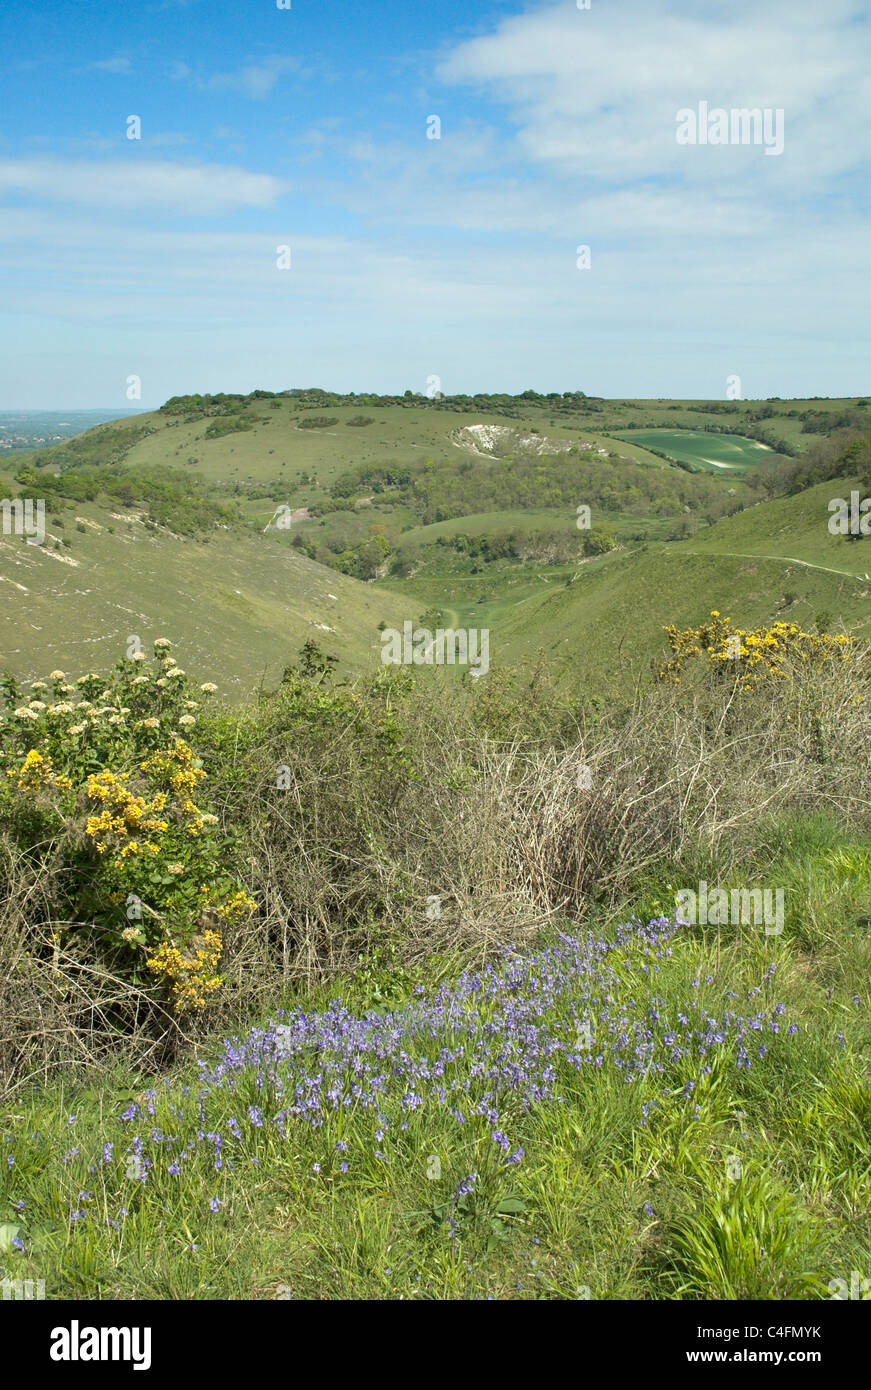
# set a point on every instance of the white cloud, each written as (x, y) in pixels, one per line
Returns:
(254, 80)
(583, 146)
(203, 189)
(113, 65)
(595, 93)
(706, 261)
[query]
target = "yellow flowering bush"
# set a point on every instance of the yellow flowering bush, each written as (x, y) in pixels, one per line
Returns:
(122, 816)
(751, 655)
(176, 769)
(109, 779)
(37, 771)
(190, 974)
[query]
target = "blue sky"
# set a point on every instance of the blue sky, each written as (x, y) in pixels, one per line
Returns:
(413, 257)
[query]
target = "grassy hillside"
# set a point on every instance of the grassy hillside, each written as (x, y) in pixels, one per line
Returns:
(162, 522)
(262, 439)
(420, 931)
(776, 560)
(791, 527)
(239, 603)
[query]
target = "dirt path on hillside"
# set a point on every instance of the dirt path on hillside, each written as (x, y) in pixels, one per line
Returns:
(787, 559)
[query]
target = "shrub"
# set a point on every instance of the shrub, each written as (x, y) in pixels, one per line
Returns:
(761, 654)
(128, 875)
(227, 424)
(600, 539)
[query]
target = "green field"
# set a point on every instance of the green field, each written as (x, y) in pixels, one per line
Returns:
(728, 452)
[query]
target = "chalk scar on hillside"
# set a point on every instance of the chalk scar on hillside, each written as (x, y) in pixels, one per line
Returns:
(63, 559)
(469, 437)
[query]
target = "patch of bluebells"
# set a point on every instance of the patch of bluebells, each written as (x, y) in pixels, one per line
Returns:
(496, 1042)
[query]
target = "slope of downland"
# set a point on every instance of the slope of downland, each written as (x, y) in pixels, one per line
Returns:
(237, 607)
(222, 599)
(775, 561)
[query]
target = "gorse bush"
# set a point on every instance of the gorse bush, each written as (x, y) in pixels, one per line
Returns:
(101, 815)
(763, 654)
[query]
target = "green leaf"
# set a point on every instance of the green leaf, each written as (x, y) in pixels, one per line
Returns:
(511, 1206)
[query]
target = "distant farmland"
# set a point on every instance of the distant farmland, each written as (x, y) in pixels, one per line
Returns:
(702, 450)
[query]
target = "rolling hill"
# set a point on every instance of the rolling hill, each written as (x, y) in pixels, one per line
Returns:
(237, 607)
(775, 560)
(173, 538)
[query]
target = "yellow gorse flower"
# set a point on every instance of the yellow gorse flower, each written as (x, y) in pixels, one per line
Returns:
(175, 767)
(129, 816)
(38, 771)
(189, 973)
(123, 815)
(753, 655)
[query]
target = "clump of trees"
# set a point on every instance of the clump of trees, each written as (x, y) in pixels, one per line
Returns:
(231, 424)
(180, 501)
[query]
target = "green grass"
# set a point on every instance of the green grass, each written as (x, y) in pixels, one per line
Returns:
(775, 560)
(239, 604)
(790, 528)
(756, 1186)
(726, 452)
